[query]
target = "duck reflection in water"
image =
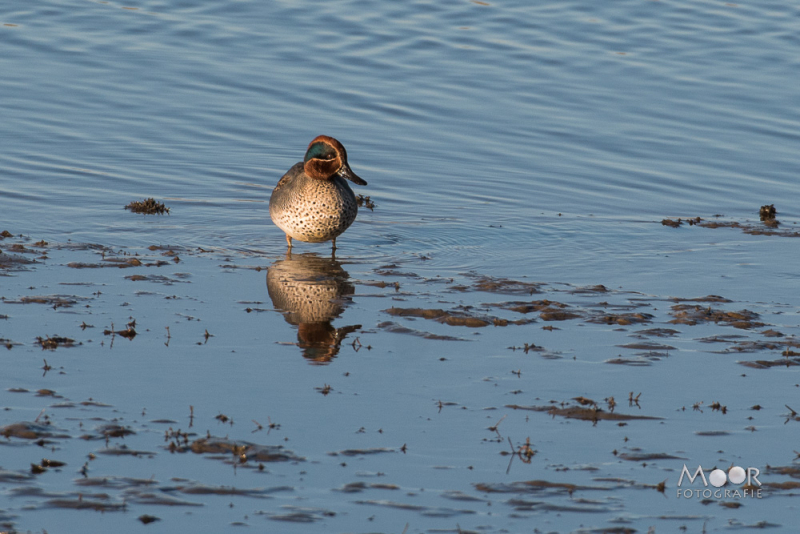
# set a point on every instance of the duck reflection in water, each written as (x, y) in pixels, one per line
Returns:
(311, 292)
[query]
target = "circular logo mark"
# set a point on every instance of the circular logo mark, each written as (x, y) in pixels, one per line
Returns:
(736, 475)
(718, 478)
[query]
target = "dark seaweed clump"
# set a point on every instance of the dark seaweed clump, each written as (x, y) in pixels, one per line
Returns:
(148, 207)
(767, 212)
(365, 202)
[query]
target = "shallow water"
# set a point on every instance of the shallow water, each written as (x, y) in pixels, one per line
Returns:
(515, 153)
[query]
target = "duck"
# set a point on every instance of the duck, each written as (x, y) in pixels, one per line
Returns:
(312, 201)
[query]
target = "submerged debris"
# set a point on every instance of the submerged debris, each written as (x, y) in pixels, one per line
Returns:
(56, 301)
(542, 306)
(427, 511)
(158, 278)
(767, 212)
(584, 414)
(361, 200)
(124, 450)
(159, 498)
(129, 332)
(501, 285)
(792, 471)
(544, 487)
(361, 452)
(767, 364)
(189, 487)
(358, 487)
(9, 262)
(121, 263)
(647, 345)
(115, 482)
(243, 451)
(707, 298)
(395, 328)
(455, 318)
(658, 332)
(622, 319)
(100, 502)
(770, 227)
(769, 224)
(693, 314)
(52, 343)
(112, 430)
(148, 206)
(676, 223)
(297, 514)
(28, 430)
(46, 464)
(20, 248)
(452, 319)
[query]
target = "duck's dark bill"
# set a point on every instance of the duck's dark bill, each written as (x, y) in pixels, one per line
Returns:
(346, 172)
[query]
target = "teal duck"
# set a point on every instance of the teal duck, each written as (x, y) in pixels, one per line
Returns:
(312, 202)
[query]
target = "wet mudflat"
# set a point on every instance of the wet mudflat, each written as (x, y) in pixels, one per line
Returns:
(173, 385)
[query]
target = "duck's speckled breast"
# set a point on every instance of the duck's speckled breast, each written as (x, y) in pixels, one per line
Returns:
(312, 210)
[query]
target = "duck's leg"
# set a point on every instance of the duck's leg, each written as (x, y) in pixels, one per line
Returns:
(334, 244)
(289, 240)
